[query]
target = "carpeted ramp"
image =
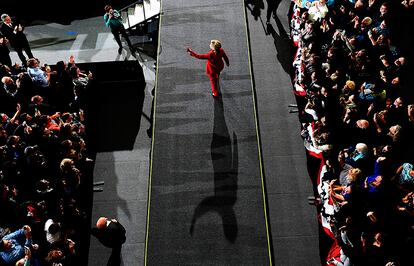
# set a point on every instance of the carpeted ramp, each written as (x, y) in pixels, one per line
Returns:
(206, 204)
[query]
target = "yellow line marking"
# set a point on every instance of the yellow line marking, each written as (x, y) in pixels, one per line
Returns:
(152, 139)
(257, 135)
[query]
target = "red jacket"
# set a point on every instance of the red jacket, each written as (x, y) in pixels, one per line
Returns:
(215, 61)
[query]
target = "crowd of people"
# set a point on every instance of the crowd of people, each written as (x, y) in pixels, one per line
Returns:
(44, 161)
(352, 84)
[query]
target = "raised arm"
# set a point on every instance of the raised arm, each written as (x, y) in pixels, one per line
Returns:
(199, 56)
(107, 19)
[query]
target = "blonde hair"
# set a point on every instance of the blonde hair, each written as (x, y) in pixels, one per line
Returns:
(354, 173)
(350, 84)
(216, 44)
(66, 164)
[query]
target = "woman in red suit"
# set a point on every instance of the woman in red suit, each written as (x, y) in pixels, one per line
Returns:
(214, 63)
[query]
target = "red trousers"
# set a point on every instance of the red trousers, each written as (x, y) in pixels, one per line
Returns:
(214, 80)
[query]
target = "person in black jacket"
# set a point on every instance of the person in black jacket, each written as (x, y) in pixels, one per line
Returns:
(14, 33)
(112, 235)
(4, 52)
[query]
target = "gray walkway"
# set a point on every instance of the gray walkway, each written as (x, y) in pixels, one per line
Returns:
(206, 204)
(293, 222)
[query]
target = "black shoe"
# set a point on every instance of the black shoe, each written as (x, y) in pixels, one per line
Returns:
(120, 50)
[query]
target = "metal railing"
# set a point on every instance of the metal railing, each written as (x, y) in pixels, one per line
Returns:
(143, 11)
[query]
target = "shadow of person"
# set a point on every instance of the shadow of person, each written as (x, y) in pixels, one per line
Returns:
(272, 6)
(115, 259)
(254, 6)
(283, 45)
(224, 156)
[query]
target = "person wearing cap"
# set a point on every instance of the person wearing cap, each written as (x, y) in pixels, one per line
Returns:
(215, 63)
(14, 33)
(112, 235)
(53, 231)
(13, 245)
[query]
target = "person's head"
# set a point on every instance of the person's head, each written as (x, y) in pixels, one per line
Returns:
(37, 99)
(32, 62)
(74, 71)
(67, 117)
(13, 141)
(332, 52)
(395, 82)
(55, 255)
(7, 80)
(60, 66)
(353, 174)
(101, 223)
(398, 102)
(309, 25)
(366, 23)
(349, 84)
(67, 164)
(25, 117)
(5, 245)
(66, 145)
(359, 4)
(215, 45)
(108, 8)
(384, 9)
(3, 118)
(362, 123)
(6, 18)
(400, 61)
(54, 228)
(382, 39)
(361, 148)
(394, 130)
(410, 110)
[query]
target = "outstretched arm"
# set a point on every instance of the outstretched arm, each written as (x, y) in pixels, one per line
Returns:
(199, 56)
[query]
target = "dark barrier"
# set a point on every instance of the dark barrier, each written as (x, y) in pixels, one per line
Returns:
(114, 104)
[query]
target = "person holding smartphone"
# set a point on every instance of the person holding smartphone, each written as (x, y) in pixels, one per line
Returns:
(113, 20)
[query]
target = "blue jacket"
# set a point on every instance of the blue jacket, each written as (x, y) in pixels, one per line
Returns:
(19, 241)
